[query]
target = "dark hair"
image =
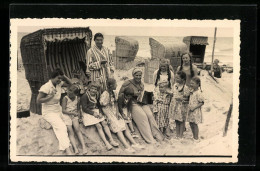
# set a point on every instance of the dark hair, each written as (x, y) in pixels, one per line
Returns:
(74, 89)
(110, 81)
(168, 73)
(98, 35)
(56, 72)
(191, 69)
(197, 81)
(129, 91)
(182, 75)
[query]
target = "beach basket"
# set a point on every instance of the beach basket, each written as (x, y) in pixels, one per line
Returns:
(44, 50)
(168, 50)
(150, 67)
(197, 46)
(125, 53)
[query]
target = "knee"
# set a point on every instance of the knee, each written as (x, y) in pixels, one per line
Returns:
(98, 126)
(104, 123)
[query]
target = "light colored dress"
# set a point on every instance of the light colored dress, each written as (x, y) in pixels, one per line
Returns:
(178, 108)
(89, 106)
(71, 107)
(52, 113)
(195, 116)
(110, 109)
(161, 106)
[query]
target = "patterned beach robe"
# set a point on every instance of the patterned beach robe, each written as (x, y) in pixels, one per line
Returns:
(99, 72)
(161, 106)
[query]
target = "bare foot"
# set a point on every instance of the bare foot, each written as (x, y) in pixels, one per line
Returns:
(109, 147)
(113, 143)
(84, 151)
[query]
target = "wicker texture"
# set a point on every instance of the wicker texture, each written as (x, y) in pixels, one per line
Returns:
(44, 50)
(126, 47)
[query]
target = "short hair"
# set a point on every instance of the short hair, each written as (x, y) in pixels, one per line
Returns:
(56, 72)
(98, 35)
(129, 91)
(182, 75)
(74, 89)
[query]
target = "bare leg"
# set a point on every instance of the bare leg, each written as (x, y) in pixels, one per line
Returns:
(177, 128)
(108, 133)
(102, 136)
(129, 136)
(181, 129)
(72, 138)
(196, 131)
(192, 129)
(122, 139)
(131, 127)
(75, 124)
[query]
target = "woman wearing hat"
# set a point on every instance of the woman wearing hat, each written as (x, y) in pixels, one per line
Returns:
(141, 113)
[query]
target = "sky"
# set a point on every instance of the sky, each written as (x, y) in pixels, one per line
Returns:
(147, 31)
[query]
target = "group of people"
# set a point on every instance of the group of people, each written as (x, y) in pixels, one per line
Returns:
(177, 98)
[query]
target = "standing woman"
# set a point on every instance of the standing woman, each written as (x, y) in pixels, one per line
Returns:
(187, 67)
(163, 74)
(141, 113)
(49, 95)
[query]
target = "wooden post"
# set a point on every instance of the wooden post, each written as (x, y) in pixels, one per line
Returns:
(212, 60)
(227, 120)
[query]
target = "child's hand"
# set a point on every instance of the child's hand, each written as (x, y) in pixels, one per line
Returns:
(80, 120)
(192, 109)
(96, 115)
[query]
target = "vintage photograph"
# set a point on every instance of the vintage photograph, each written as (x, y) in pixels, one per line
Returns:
(132, 90)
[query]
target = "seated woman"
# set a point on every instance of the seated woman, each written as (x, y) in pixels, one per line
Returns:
(141, 113)
(108, 101)
(49, 95)
(91, 114)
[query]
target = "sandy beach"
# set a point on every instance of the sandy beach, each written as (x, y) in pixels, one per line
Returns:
(33, 140)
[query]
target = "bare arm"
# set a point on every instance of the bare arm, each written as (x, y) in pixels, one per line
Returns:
(43, 98)
(64, 104)
(196, 107)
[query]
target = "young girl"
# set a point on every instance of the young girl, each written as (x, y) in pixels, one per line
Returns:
(108, 101)
(194, 109)
(70, 110)
(164, 73)
(179, 103)
(161, 105)
(124, 107)
(92, 116)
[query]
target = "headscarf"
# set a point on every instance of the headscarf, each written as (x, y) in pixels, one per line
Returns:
(136, 69)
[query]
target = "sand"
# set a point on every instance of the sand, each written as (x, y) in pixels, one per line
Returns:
(33, 140)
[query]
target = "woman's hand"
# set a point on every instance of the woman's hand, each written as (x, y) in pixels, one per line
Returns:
(96, 115)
